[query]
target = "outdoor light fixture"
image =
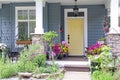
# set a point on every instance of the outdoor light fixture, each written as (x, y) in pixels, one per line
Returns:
(75, 9)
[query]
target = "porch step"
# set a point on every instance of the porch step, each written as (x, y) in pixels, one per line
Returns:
(81, 66)
(78, 68)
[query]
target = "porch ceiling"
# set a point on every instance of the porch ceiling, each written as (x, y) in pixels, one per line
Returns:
(79, 2)
(66, 2)
(63, 2)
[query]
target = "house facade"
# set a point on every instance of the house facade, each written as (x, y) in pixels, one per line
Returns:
(39, 16)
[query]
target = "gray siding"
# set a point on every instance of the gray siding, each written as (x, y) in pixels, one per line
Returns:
(54, 18)
(7, 23)
(95, 15)
(45, 17)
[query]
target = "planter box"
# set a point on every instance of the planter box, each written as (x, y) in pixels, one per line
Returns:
(24, 42)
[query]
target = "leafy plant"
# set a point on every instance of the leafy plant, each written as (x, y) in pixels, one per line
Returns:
(99, 75)
(116, 76)
(8, 70)
(26, 66)
(49, 37)
(39, 60)
(47, 69)
(31, 58)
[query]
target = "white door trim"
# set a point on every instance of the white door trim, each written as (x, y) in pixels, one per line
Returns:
(85, 28)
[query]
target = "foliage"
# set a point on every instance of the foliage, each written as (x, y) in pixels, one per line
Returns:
(106, 24)
(7, 70)
(47, 69)
(39, 60)
(102, 39)
(31, 58)
(99, 75)
(49, 37)
(116, 76)
(104, 58)
(27, 66)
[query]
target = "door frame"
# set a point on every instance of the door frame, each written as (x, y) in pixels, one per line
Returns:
(85, 27)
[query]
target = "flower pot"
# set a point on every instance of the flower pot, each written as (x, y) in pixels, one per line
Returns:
(60, 56)
(24, 42)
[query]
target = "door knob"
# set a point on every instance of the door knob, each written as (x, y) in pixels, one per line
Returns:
(68, 38)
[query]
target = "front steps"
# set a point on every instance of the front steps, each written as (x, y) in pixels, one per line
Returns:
(74, 63)
(81, 66)
(78, 68)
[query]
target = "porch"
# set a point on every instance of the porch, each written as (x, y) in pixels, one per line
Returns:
(74, 63)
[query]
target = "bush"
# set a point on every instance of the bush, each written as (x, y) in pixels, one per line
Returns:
(30, 59)
(39, 60)
(26, 66)
(117, 75)
(48, 69)
(100, 75)
(8, 70)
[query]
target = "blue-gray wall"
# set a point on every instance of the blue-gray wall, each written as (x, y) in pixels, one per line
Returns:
(53, 20)
(7, 23)
(96, 14)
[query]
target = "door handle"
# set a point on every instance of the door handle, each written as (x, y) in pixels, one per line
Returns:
(68, 39)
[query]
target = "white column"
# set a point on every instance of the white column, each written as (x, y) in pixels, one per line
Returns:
(39, 17)
(114, 6)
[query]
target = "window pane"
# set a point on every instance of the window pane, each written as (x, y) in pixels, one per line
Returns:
(22, 30)
(32, 26)
(22, 14)
(32, 14)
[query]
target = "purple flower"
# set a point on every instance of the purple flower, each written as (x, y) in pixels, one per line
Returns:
(63, 42)
(118, 65)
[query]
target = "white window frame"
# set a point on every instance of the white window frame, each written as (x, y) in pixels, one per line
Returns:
(16, 19)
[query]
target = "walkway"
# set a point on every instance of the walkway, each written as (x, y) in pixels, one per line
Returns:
(72, 75)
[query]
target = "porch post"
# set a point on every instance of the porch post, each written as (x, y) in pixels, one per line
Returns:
(114, 8)
(113, 37)
(37, 35)
(39, 17)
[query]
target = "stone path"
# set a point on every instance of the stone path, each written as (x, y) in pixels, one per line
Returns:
(70, 75)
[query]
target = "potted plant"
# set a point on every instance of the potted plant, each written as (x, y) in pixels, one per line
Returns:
(24, 40)
(99, 54)
(60, 49)
(49, 38)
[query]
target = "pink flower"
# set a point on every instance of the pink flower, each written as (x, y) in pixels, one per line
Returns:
(53, 53)
(63, 42)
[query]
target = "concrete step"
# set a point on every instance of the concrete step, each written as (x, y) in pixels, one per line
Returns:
(78, 68)
(81, 66)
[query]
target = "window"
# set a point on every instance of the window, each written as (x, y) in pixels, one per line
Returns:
(25, 21)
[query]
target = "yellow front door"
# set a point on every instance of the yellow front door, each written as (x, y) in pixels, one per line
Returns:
(75, 36)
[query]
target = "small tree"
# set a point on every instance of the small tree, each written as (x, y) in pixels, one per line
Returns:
(49, 38)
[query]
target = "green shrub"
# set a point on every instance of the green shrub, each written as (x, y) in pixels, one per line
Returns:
(48, 69)
(26, 66)
(116, 75)
(39, 60)
(31, 58)
(99, 75)
(8, 70)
